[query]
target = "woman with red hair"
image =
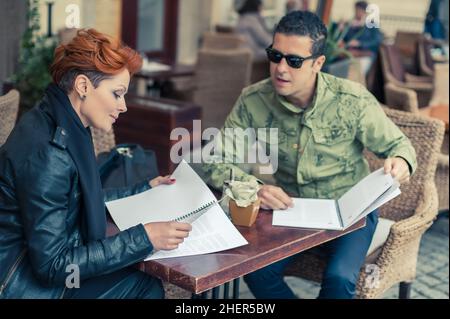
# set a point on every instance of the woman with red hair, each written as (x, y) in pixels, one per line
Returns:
(52, 211)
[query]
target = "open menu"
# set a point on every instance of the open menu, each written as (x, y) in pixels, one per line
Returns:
(370, 193)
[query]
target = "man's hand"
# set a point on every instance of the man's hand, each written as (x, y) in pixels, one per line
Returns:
(398, 168)
(273, 197)
(167, 235)
(354, 44)
(161, 180)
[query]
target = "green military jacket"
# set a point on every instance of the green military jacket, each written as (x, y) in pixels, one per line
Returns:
(320, 148)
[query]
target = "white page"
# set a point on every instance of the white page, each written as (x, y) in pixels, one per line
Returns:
(162, 203)
(363, 194)
(393, 192)
(308, 213)
(167, 202)
(210, 233)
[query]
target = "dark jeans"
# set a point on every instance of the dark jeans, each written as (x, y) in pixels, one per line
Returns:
(345, 255)
(126, 283)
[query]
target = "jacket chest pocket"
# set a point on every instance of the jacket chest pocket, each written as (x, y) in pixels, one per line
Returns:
(332, 136)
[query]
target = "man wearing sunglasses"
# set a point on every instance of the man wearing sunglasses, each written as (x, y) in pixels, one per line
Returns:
(323, 123)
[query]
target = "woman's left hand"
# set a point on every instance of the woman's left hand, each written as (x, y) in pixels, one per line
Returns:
(162, 180)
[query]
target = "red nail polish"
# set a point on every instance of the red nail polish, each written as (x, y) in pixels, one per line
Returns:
(173, 180)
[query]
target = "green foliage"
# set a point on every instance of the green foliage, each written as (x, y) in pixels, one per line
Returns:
(35, 57)
(334, 51)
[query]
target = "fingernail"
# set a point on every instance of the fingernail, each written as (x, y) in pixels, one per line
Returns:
(173, 180)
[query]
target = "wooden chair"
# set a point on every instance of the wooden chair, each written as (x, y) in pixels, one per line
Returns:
(9, 107)
(395, 246)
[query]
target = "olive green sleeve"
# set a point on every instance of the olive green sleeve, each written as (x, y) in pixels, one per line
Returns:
(227, 152)
(381, 136)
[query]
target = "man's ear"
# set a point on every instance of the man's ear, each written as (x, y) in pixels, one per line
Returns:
(318, 63)
(80, 85)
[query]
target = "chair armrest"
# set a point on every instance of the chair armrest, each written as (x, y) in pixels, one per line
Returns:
(410, 78)
(423, 217)
(443, 161)
(419, 86)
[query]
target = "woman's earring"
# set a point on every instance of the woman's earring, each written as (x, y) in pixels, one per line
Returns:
(82, 97)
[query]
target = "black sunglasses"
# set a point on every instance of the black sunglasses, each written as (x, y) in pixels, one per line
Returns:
(294, 61)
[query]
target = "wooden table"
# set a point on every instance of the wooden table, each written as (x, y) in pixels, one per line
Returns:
(266, 244)
(437, 111)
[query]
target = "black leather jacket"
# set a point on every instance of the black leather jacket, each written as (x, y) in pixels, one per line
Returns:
(40, 198)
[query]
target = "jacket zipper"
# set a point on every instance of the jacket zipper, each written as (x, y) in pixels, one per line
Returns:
(12, 270)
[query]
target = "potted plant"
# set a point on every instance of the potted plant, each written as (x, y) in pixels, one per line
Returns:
(338, 58)
(35, 56)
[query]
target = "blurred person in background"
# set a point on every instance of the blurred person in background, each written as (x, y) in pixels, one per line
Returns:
(251, 25)
(433, 24)
(361, 40)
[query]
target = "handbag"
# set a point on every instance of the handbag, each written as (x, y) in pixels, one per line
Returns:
(126, 165)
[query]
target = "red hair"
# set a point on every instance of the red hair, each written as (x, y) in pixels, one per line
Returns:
(93, 54)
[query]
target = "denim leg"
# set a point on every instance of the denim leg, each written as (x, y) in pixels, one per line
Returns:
(346, 256)
(268, 282)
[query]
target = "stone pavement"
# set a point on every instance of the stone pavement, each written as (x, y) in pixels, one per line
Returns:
(432, 269)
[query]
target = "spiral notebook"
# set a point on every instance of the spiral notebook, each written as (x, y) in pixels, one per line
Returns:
(192, 216)
(188, 200)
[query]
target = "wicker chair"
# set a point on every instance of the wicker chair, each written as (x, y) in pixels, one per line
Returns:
(406, 42)
(441, 83)
(233, 41)
(394, 72)
(406, 100)
(103, 142)
(424, 59)
(220, 77)
(9, 106)
(408, 217)
(222, 41)
(401, 98)
(440, 96)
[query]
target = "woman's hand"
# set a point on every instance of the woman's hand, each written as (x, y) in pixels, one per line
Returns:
(162, 180)
(167, 235)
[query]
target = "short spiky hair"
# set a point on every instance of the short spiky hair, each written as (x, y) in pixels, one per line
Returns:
(93, 54)
(304, 23)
